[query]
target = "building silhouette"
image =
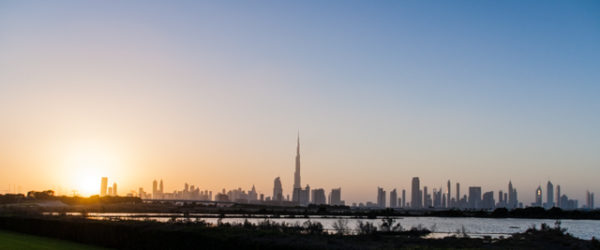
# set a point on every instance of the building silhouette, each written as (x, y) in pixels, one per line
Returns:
(304, 196)
(297, 184)
(437, 198)
(277, 190)
(252, 194)
(513, 201)
(568, 204)
(380, 197)
(475, 197)
(141, 193)
(558, 196)
(318, 196)
(158, 190)
(416, 198)
(538, 197)
(449, 202)
(487, 201)
(589, 200)
(103, 186)
(335, 197)
(427, 202)
(501, 200)
(403, 198)
(457, 195)
(393, 199)
(443, 196)
(114, 189)
(154, 189)
(222, 196)
(549, 195)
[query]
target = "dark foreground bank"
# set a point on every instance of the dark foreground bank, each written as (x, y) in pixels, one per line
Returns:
(270, 235)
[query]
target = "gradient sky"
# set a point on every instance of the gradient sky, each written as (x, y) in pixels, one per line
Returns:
(213, 94)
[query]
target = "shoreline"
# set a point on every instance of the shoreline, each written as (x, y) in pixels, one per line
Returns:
(272, 235)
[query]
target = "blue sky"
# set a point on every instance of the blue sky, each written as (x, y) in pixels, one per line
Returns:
(474, 91)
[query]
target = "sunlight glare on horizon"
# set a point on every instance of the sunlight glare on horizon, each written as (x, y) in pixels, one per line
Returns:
(86, 164)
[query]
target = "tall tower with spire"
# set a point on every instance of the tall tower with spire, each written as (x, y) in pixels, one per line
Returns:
(297, 172)
(297, 185)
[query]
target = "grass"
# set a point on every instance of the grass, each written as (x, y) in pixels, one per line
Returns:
(12, 240)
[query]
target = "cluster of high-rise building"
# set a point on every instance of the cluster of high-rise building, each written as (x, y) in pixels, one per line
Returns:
(475, 199)
(304, 196)
(562, 201)
(240, 196)
(589, 200)
(300, 196)
(440, 198)
(105, 190)
(189, 192)
(420, 198)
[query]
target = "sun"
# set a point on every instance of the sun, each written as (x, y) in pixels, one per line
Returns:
(86, 166)
(87, 181)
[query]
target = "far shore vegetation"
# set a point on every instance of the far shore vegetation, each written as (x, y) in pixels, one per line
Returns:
(46, 201)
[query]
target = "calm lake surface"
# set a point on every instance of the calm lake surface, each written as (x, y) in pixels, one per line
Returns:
(441, 226)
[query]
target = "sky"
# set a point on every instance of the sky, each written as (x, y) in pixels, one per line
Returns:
(214, 94)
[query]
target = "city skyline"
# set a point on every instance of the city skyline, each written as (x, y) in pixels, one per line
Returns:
(480, 93)
(417, 190)
(420, 197)
(475, 199)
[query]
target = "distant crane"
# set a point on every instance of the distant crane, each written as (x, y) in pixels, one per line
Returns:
(11, 188)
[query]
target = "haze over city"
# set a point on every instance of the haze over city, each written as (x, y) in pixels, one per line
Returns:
(214, 94)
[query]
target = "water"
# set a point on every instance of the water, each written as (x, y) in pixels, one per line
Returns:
(442, 226)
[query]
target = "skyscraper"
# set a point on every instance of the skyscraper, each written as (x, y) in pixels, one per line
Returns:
(252, 194)
(457, 192)
(475, 197)
(438, 198)
(335, 197)
(426, 200)
(448, 203)
(538, 197)
(114, 189)
(549, 195)
(304, 196)
(103, 186)
(380, 197)
(415, 197)
(297, 184)
(393, 198)
(558, 196)
(517, 204)
(277, 190)
(154, 189)
(488, 201)
(403, 198)
(162, 188)
(318, 196)
(512, 196)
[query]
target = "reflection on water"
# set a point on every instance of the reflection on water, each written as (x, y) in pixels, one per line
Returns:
(442, 226)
